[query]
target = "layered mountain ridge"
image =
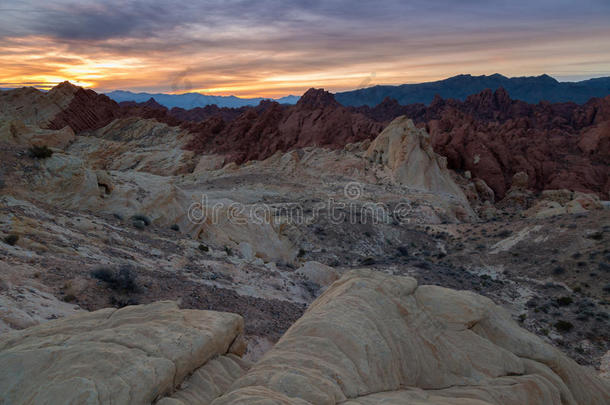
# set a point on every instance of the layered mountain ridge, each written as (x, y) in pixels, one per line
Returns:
(531, 89)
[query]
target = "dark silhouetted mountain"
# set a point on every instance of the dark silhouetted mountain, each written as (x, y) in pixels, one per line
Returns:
(531, 89)
(192, 100)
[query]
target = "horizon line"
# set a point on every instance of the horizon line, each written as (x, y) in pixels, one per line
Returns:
(48, 86)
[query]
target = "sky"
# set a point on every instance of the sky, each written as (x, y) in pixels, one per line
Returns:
(272, 48)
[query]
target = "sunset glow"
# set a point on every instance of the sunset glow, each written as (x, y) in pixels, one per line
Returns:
(279, 49)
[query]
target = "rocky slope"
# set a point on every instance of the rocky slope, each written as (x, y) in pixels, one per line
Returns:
(370, 338)
(493, 137)
(132, 355)
(316, 120)
(489, 135)
(123, 213)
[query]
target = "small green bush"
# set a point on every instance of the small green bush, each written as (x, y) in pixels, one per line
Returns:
(402, 251)
(141, 217)
(122, 278)
(203, 248)
(69, 298)
(11, 239)
(368, 261)
(175, 227)
(138, 224)
(563, 326)
(40, 152)
(564, 301)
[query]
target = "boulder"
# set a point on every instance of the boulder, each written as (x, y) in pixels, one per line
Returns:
(132, 355)
(406, 151)
(373, 338)
(561, 196)
(318, 273)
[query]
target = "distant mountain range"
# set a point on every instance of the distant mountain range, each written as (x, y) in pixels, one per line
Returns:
(192, 100)
(531, 89)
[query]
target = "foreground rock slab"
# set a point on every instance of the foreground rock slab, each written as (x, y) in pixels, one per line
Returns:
(133, 355)
(373, 338)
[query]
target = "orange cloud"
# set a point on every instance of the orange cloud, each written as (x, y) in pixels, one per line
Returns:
(260, 69)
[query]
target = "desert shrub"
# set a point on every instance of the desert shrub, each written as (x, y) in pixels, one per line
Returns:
(121, 302)
(119, 279)
(301, 253)
(141, 217)
(2, 183)
(564, 301)
(558, 270)
(504, 234)
(69, 298)
(402, 251)
(563, 326)
(203, 248)
(368, 261)
(138, 224)
(228, 251)
(175, 227)
(103, 274)
(40, 152)
(126, 279)
(11, 239)
(311, 287)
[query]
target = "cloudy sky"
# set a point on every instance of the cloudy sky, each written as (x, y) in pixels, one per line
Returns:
(279, 47)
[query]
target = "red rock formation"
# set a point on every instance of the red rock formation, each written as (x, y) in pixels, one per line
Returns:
(317, 119)
(200, 114)
(87, 110)
(560, 145)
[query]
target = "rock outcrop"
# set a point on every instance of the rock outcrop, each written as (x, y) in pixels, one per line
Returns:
(316, 120)
(133, 355)
(561, 145)
(372, 338)
(406, 151)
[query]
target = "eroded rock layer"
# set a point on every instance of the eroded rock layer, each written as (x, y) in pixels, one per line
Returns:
(132, 355)
(372, 338)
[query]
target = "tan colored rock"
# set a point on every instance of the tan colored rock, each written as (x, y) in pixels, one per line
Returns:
(520, 180)
(16, 132)
(373, 338)
(209, 381)
(34, 107)
(132, 355)
(588, 201)
(136, 144)
(318, 273)
(485, 192)
(574, 207)
(209, 162)
(561, 196)
(406, 151)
